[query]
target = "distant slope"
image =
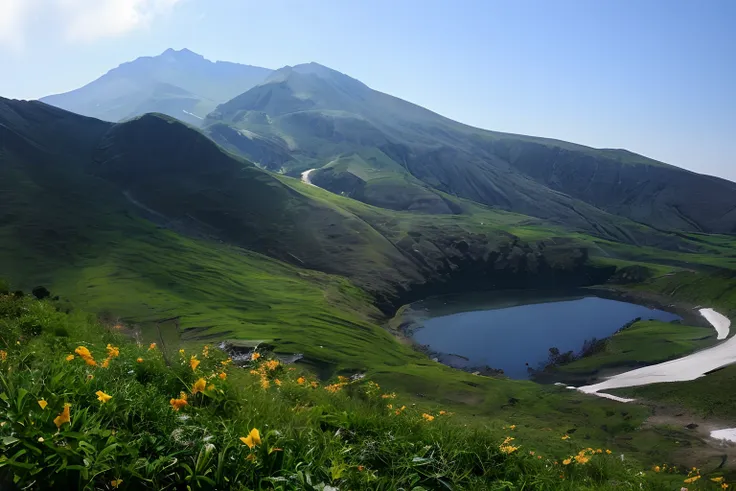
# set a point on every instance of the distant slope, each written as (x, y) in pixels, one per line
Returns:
(181, 84)
(69, 181)
(391, 153)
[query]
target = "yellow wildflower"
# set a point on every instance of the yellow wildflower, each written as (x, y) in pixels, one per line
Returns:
(315, 385)
(443, 412)
(139, 360)
(211, 387)
(181, 352)
(581, 459)
(388, 396)
(253, 438)
(265, 383)
(206, 351)
(428, 417)
(277, 382)
(333, 388)
(102, 397)
(83, 352)
(151, 346)
(567, 461)
(566, 437)
(116, 482)
(342, 379)
(691, 480)
(3, 355)
(69, 357)
(106, 363)
(300, 380)
(657, 468)
(91, 362)
(255, 356)
(64, 416)
(112, 351)
(226, 362)
(43, 403)
(717, 479)
(222, 375)
(272, 364)
(608, 452)
(194, 362)
(512, 427)
(179, 403)
(199, 386)
(508, 449)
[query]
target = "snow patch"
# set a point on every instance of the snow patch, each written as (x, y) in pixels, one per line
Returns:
(192, 114)
(306, 176)
(682, 369)
(720, 322)
(728, 434)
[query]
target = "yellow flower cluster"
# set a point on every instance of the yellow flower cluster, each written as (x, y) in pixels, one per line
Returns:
(3, 355)
(84, 354)
(506, 446)
(584, 456)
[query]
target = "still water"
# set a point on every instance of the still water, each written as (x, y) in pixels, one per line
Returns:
(509, 337)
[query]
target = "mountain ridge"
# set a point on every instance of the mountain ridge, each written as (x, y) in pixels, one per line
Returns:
(139, 86)
(313, 117)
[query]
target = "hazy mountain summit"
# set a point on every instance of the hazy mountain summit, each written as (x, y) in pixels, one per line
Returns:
(181, 84)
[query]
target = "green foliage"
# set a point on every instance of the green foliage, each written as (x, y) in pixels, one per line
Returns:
(123, 432)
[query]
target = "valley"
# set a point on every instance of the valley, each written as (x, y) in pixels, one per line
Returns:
(306, 212)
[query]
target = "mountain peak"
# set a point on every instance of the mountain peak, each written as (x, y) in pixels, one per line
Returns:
(181, 54)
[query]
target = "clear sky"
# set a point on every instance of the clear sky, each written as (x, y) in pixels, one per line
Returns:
(657, 77)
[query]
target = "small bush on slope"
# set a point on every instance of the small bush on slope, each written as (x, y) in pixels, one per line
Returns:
(92, 410)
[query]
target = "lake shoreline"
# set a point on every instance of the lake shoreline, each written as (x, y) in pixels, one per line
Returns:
(411, 317)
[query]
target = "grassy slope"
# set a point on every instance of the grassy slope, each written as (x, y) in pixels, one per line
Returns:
(310, 116)
(309, 437)
(106, 259)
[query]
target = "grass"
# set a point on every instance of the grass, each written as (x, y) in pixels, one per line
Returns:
(135, 422)
(643, 343)
(710, 397)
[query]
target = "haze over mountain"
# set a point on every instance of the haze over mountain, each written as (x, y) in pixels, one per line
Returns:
(181, 84)
(391, 153)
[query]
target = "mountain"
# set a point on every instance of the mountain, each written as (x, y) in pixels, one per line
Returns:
(76, 188)
(181, 84)
(390, 153)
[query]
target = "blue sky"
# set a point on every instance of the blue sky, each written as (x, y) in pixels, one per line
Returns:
(657, 77)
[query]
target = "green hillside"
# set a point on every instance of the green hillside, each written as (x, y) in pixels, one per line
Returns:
(85, 407)
(390, 153)
(150, 225)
